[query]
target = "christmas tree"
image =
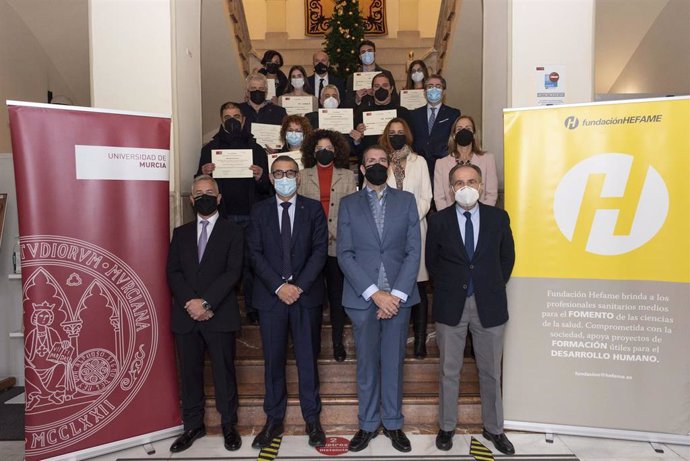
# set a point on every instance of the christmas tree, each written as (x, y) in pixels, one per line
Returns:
(345, 34)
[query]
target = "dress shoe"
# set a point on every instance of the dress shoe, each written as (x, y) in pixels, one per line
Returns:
(233, 441)
(361, 440)
(399, 439)
(420, 348)
(339, 353)
(444, 440)
(253, 317)
(187, 439)
(270, 431)
(317, 438)
(500, 441)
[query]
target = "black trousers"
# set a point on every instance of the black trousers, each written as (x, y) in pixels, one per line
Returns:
(334, 289)
(191, 348)
(420, 312)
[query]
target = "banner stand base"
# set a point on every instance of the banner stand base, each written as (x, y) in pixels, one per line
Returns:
(549, 437)
(148, 448)
(144, 440)
(654, 438)
(657, 448)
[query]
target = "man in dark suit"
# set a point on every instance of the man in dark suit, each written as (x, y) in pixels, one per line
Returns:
(256, 108)
(204, 265)
(431, 124)
(288, 245)
(379, 248)
(470, 255)
(322, 77)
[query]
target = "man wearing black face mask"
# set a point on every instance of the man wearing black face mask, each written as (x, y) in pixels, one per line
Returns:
(379, 248)
(321, 77)
(257, 108)
(204, 265)
(240, 193)
(382, 98)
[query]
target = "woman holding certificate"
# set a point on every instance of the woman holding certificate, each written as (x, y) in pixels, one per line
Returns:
(464, 148)
(298, 98)
(409, 172)
(326, 177)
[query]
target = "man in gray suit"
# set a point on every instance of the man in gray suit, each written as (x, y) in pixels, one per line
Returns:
(378, 249)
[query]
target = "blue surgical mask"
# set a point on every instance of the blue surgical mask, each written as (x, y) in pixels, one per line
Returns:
(367, 58)
(285, 187)
(433, 95)
(294, 138)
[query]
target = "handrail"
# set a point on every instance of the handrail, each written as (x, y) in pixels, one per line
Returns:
(238, 27)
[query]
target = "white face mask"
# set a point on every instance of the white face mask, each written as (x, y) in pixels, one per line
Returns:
(297, 82)
(330, 103)
(417, 76)
(466, 196)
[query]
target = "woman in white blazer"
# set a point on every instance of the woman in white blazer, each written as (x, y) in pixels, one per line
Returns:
(410, 172)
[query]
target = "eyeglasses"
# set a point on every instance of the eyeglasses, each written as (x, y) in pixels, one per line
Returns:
(279, 174)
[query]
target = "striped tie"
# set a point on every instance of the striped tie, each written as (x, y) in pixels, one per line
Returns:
(432, 119)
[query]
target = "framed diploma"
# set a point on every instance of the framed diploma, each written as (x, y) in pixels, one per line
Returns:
(267, 135)
(340, 120)
(232, 163)
(295, 154)
(376, 121)
(297, 105)
(412, 99)
(362, 80)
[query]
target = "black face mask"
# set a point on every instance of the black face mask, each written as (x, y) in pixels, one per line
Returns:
(257, 96)
(397, 141)
(376, 174)
(324, 156)
(272, 67)
(321, 68)
(232, 126)
(206, 204)
(381, 94)
(464, 138)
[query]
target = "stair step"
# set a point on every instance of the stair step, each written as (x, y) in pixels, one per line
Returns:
(340, 413)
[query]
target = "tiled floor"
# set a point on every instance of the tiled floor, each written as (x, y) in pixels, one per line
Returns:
(295, 447)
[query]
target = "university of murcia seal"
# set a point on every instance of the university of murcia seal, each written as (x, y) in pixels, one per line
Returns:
(91, 335)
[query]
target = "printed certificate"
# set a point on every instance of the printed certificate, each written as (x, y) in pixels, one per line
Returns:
(412, 99)
(271, 87)
(376, 121)
(295, 154)
(340, 120)
(267, 135)
(297, 105)
(232, 163)
(362, 80)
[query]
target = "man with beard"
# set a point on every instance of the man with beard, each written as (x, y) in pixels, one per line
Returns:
(239, 194)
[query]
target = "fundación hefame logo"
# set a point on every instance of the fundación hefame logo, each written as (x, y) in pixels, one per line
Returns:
(649, 205)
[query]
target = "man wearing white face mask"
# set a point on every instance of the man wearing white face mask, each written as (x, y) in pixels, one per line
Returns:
(470, 255)
(431, 124)
(288, 245)
(367, 56)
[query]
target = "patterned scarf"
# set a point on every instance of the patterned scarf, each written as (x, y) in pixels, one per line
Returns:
(398, 171)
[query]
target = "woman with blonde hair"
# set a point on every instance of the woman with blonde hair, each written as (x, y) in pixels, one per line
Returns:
(464, 148)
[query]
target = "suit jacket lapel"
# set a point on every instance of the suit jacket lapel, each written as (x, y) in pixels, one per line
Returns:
(391, 208)
(212, 239)
(455, 230)
(484, 228)
(300, 220)
(368, 215)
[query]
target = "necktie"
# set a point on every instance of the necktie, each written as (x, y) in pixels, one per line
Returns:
(203, 238)
(432, 119)
(469, 246)
(320, 89)
(285, 237)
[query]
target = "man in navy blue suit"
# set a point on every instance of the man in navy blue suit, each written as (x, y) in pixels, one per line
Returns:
(470, 255)
(288, 245)
(379, 248)
(431, 123)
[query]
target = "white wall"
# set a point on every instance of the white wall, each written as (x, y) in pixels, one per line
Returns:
(547, 32)
(26, 72)
(11, 349)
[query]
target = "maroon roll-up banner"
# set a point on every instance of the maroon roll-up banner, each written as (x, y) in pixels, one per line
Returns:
(93, 202)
